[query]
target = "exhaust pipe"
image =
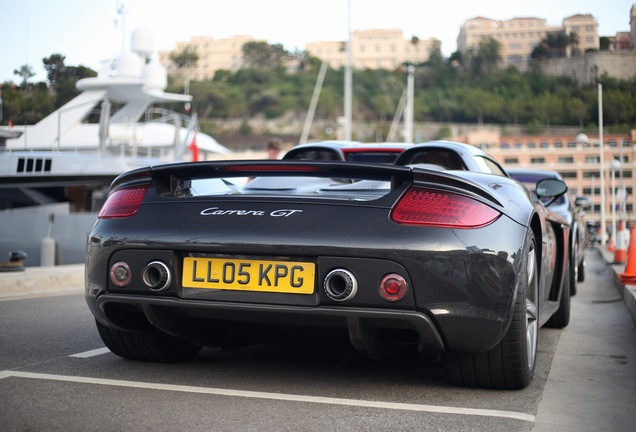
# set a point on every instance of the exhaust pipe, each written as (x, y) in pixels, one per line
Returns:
(156, 275)
(340, 285)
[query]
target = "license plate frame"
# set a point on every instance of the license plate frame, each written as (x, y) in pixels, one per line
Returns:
(249, 275)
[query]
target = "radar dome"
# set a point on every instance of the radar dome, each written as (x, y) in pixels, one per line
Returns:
(155, 76)
(142, 42)
(129, 65)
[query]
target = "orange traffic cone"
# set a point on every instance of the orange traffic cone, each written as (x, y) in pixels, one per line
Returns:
(620, 253)
(610, 246)
(629, 277)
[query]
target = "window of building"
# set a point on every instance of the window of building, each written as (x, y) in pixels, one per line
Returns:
(517, 145)
(626, 143)
(537, 160)
(612, 143)
(505, 145)
(571, 144)
(568, 174)
(566, 160)
(531, 144)
(592, 159)
(558, 144)
(511, 161)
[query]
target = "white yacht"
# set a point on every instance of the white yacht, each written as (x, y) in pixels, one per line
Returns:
(54, 175)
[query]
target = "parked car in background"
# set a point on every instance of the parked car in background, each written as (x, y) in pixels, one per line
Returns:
(350, 151)
(572, 208)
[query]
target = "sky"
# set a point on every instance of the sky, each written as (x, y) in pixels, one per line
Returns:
(88, 32)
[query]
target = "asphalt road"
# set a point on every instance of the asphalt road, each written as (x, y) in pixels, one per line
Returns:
(55, 375)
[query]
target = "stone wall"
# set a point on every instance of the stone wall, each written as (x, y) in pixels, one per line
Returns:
(587, 68)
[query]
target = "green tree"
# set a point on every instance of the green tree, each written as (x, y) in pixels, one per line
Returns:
(480, 103)
(26, 73)
(258, 54)
(485, 57)
(619, 106)
(557, 43)
(54, 65)
(573, 41)
(65, 83)
(185, 58)
(604, 43)
(547, 107)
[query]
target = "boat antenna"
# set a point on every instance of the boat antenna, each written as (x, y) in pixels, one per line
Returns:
(121, 11)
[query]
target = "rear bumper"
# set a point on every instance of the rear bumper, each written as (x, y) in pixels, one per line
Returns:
(209, 323)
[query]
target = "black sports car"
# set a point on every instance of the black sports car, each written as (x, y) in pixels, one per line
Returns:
(572, 209)
(455, 262)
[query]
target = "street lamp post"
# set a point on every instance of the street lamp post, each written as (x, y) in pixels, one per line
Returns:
(582, 138)
(615, 166)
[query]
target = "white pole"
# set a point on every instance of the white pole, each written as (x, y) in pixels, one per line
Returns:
(614, 236)
(408, 121)
(600, 143)
(348, 80)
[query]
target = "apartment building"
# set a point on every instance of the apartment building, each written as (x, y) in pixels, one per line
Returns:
(213, 54)
(375, 49)
(578, 162)
(519, 36)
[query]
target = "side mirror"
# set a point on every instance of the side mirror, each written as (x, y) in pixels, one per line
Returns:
(550, 188)
(583, 202)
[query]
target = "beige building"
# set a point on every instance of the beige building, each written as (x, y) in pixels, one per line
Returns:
(372, 49)
(519, 36)
(586, 28)
(213, 54)
(375, 49)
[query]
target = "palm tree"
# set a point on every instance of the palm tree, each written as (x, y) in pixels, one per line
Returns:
(573, 41)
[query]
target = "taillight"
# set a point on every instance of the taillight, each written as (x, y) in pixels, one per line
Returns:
(428, 207)
(123, 202)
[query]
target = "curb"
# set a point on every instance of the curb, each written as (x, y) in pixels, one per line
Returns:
(627, 292)
(42, 281)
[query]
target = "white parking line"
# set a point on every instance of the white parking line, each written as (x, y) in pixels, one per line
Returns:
(274, 396)
(91, 353)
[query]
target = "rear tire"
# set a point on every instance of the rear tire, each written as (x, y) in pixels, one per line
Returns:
(574, 272)
(147, 346)
(561, 317)
(510, 364)
(581, 273)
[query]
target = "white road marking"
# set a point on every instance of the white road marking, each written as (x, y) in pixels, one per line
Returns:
(274, 396)
(91, 353)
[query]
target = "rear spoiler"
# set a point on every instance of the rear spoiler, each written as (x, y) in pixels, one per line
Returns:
(178, 173)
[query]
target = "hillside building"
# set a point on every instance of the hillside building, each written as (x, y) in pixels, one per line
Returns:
(375, 49)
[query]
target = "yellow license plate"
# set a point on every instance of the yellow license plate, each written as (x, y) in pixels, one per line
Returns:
(249, 275)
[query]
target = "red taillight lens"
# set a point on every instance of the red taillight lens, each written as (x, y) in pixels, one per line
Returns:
(393, 287)
(441, 209)
(123, 203)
